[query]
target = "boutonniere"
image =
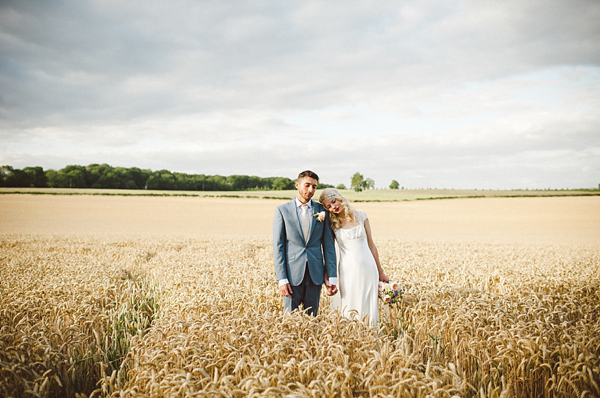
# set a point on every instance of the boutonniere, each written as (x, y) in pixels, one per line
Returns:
(319, 216)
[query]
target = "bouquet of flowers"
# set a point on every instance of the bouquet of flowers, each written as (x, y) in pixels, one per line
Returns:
(390, 292)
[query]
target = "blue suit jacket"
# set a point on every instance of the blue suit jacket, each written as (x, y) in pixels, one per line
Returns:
(291, 252)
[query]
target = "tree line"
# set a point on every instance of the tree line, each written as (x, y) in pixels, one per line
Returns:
(106, 176)
(359, 182)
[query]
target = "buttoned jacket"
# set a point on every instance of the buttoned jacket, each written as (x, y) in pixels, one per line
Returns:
(292, 252)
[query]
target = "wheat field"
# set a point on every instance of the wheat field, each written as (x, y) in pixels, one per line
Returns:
(166, 297)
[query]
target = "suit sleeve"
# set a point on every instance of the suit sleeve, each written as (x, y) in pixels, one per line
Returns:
(279, 246)
(329, 250)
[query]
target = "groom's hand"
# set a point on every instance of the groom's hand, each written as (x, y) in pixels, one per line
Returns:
(331, 290)
(286, 290)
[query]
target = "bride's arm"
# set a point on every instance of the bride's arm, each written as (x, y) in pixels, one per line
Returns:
(332, 289)
(382, 276)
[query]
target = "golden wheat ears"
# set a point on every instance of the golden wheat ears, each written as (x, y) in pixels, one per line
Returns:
(107, 317)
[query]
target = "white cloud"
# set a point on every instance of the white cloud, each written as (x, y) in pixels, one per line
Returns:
(469, 94)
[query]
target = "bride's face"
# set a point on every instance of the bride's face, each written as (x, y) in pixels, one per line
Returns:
(333, 205)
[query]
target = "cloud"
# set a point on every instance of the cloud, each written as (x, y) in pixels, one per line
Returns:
(422, 89)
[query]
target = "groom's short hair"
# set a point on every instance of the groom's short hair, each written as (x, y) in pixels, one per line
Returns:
(308, 173)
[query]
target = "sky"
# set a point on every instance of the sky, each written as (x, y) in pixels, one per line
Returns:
(433, 94)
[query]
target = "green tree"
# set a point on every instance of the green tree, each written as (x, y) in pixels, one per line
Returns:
(200, 181)
(255, 182)
(369, 183)
(394, 185)
(37, 177)
(323, 186)
(281, 183)
(116, 178)
(105, 176)
(341, 186)
(219, 183)
(238, 182)
(72, 176)
(3, 175)
(184, 182)
(139, 177)
(54, 178)
(94, 174)
(10, 177)
(162, 180)
(357, 182)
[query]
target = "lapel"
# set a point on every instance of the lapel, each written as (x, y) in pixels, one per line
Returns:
(294, 215)
(313, 221)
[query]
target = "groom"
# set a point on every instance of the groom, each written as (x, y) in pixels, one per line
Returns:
(303, 248)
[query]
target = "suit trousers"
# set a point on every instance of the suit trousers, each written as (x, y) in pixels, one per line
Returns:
(306, 293)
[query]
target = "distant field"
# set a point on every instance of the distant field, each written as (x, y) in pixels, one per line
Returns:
(377, 195)
(535, 219)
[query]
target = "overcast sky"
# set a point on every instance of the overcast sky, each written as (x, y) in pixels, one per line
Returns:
(440, 94)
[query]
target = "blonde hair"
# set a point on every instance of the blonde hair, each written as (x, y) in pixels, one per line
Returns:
(336, 220)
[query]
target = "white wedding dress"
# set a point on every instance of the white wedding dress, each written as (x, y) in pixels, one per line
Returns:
(358, 278)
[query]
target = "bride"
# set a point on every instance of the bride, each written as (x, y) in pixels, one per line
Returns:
(359, 270)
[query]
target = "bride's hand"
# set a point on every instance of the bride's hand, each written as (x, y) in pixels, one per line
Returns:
(383, 277)
(331, 289)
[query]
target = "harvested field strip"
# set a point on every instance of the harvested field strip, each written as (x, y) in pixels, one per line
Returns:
(379, 195)
(204, 316)
(574, 220)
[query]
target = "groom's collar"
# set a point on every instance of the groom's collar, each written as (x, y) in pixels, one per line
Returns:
(298, 203)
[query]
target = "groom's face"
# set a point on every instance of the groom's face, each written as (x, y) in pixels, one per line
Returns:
(306, 188)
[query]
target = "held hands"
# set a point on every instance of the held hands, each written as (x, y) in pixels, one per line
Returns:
(331, 289)
(286, 290)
